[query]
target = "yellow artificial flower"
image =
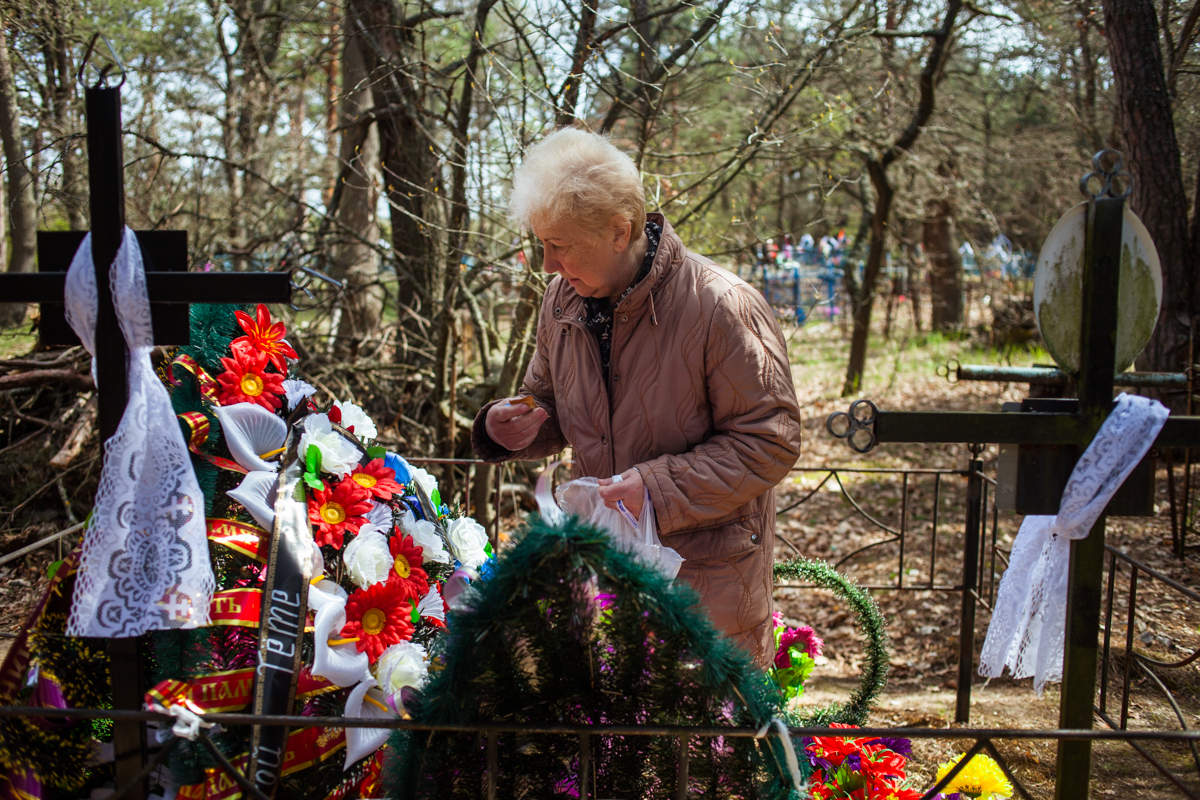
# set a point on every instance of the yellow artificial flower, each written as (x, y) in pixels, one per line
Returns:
(981, 778)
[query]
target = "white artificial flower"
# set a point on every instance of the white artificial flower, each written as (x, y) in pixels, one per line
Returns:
(427, 482)
(339, 456)
(380, 516)
(297, 391)
(467, 541)
(368, 559)
(366, 701)
(341, 663)
(355, 420)
(425, 536)
(403, 664)
(431, 605)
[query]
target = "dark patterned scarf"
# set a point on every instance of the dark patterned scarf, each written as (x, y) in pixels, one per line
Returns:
(599, 311)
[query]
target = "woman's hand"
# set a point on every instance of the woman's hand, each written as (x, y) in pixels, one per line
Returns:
(513, 425)
(630, 489)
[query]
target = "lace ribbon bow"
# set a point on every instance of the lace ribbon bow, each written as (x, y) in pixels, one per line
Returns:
(144, 563)
(1029, 621)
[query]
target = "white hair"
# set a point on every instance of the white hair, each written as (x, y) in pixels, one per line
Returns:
(580, 177)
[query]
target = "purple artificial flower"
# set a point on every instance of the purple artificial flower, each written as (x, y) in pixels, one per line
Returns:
(777, 619)
(854, 762)
(901, 747)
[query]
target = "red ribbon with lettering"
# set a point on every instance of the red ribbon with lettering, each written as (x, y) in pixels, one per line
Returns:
(224, 691)
(306, 747)
(249, 540)
(240, 607)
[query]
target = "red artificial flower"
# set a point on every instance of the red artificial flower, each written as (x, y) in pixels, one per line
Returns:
(377, 479)
(264, 336)
(834, 749)
(885, 764)
(335, 510)
(819, 790)
(378, 617)
(246, 380)
(886, 792)
(406, 569)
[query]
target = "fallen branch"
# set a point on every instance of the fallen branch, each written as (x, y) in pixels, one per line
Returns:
(79, 436)
(40, 377)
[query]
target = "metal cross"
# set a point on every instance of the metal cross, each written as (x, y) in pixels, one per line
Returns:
(171, 288)
(864, 425)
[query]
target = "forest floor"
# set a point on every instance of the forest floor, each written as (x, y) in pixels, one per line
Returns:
(923, 625)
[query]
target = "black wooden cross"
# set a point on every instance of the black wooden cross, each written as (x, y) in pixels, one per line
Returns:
(864, 426)
(171, 288)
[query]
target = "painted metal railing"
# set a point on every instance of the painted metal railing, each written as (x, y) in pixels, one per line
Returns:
(978, 576)
(983, 739)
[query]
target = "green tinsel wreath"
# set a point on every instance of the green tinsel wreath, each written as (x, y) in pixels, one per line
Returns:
(569, 629)
(875, 665)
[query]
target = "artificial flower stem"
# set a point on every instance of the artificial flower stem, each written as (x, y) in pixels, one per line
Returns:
(336, 642)
(265, 456)
(377, 704)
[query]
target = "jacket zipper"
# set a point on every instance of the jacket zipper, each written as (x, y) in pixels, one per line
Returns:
(595, 350)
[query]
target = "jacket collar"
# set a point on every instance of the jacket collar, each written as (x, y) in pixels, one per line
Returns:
(667, 258)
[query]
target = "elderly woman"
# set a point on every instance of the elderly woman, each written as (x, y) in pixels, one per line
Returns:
(656, 365)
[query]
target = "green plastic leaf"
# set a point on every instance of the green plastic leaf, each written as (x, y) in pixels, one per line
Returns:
(375, 452)
(436, 499)
(487, 548)
(53, 568)
(298, 494)
(312, 459)
(416, 615)
(313, 481)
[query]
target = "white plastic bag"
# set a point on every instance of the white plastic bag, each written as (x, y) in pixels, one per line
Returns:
(637, 536)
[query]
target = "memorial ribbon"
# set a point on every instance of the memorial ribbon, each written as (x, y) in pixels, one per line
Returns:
(144, 561)
(198, 430)
(238, 607)
(219, 692)
(208, 386)
(240, 537)
(304, 748)
(284, 612)
(1028, 628)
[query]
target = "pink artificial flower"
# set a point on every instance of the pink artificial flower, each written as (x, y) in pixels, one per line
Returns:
(805, 638)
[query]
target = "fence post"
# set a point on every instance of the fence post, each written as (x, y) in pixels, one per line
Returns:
(681, 778)
(970, 578)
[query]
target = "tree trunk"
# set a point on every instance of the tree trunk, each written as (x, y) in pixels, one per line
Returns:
(914, 285)
(354, 261)
(20, 202)
(863, 296)
(446, 372)
(583, 47)
(409, 169)
(1152, 157)
(945, 267)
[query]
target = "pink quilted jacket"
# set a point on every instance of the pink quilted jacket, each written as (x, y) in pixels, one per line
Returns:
(700, 399)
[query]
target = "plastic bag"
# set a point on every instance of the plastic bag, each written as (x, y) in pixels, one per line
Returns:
(638, 536)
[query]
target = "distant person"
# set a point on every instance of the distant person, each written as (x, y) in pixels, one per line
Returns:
(657, 365)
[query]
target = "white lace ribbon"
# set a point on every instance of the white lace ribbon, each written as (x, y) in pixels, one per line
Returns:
(1029, 620)
(145, 563)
